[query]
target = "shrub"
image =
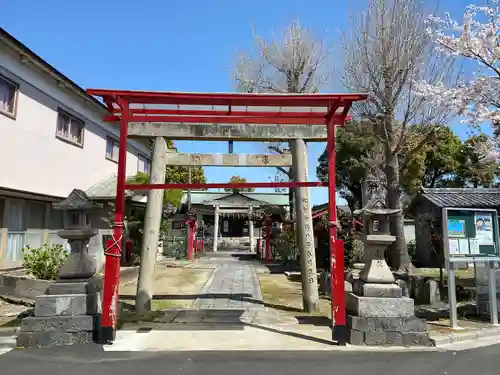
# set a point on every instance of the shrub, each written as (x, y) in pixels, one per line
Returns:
(353, 250)
(286, 245)
(412, 249)
(44, 262)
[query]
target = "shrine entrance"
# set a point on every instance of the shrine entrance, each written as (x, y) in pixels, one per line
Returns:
(296, 118)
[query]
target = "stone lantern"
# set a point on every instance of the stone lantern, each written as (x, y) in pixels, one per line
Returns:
(378, 313)
(77, 230)
(67, 314)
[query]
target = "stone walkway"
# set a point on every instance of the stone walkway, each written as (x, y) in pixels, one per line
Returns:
(233, 285)
(230, 300)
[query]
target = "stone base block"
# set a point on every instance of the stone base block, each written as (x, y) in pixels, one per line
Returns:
(381, 338)
(383, 307)
(66, 305)
(404, 324)
(58, 323)
(72, 287)
(363, 289)
(52, 337)
(401, 331)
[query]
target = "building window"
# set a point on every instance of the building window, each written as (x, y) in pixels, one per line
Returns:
(112, 147)
(143, 164)
(69, 128)
(8, 97)
(178, 225)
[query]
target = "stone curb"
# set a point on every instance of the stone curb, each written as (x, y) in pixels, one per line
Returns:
(292, 273)
(173, 265)
(17, 301)
(467, 336)
(8, 342)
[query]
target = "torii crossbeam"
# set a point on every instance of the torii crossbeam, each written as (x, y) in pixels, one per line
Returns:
(223, 116)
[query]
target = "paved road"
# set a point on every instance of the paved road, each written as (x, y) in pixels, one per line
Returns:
(90, 359)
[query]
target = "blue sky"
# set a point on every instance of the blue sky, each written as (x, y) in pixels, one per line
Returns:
(172, 45)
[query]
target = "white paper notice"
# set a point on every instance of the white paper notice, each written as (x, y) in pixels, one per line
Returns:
(453, 246)
(474, 245)
(463, 244)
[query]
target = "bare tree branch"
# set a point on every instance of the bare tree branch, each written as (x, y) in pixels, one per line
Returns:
(284, 171)
(385, 51)
(295, 62)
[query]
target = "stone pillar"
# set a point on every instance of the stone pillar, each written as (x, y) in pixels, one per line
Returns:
(216, 228)
(152, 221)
(250, 232)
(304, 229)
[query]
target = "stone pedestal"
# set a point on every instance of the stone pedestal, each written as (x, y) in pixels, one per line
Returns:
(385, 321)
(378, 314)
(67, 315)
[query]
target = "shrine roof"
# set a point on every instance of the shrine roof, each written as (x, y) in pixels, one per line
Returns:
(106, 189)
(203, 197)
(466, 197)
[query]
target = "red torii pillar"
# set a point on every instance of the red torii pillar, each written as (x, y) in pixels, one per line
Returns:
(191, 228)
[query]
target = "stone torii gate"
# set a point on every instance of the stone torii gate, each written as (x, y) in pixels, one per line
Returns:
(296, 118)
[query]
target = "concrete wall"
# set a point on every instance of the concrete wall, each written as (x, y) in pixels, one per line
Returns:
(33, 159)
(27, 288)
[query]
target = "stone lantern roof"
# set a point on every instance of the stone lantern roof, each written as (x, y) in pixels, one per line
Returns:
(76, 200)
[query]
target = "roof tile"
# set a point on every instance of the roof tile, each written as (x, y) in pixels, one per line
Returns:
(467, 197)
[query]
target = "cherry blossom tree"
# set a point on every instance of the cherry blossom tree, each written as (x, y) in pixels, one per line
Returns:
(475, 39)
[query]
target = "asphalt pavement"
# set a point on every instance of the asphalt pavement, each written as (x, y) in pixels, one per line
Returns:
(92, 359)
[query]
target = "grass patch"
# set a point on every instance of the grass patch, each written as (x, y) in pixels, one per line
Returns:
(165, 304)
(174, 288)
(463, 274)
(158, 304)
(132, 317)
(282, 294)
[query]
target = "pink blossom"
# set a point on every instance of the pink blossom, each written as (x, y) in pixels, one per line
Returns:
(477, 39)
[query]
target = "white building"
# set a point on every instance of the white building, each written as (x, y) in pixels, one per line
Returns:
(52, 140)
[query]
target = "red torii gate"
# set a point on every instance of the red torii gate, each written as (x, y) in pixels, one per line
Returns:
(161, 114)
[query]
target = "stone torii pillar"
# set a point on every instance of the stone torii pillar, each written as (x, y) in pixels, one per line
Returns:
(250, 229)
(216, 228)
(304, 229)
(152, 221)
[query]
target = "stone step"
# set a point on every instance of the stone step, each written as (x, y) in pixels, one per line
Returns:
(8, 332)
(7, 342)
